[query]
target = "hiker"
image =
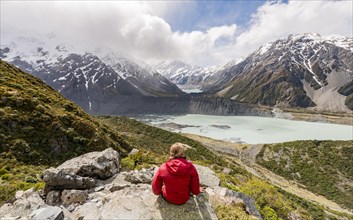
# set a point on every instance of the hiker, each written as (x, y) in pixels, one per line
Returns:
(177, 177)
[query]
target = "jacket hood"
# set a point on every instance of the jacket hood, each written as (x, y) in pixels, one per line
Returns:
(178, 166)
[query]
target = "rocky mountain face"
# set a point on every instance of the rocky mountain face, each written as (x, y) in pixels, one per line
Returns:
(87, 78)
(91, 187)
(185, 75)
(299, 71)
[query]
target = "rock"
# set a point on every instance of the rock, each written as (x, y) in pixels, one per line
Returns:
(224, 196)
(207, 176)
(99, 188)
(69, 197)
(20, 195)
(138, 202)
(22, 207)
(35, 201)
(29, 192)
(53, 198)
(87, 211)
(48, 213)
(60, 179)
(116, 187)
(81, 172)
(226, 170)
(142, 176)
(133, 151)
(6, 208)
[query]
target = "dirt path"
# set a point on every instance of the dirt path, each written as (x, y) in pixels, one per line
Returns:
(245, 155)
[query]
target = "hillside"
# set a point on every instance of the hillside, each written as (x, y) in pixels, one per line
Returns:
(304, 70)
(40, 128)
(323, 167)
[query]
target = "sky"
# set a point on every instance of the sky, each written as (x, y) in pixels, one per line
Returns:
(201, 33)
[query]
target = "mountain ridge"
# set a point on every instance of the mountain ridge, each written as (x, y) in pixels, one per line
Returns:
(298, 71)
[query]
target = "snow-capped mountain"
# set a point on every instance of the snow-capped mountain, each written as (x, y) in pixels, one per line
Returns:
(185, 75)
(87, 78)
(303, 70)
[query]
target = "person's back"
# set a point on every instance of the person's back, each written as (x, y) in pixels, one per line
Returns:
(179, 177)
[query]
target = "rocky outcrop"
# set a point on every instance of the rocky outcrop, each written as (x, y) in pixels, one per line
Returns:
(82, 172)
(126, 195)
(224, 196)
(207, 176)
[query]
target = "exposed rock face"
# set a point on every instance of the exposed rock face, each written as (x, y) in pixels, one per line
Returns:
(81, 172)
(123, 196)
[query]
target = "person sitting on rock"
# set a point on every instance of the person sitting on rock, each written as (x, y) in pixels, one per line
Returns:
(178, 175)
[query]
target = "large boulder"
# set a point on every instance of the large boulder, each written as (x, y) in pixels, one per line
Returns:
(82, 172)
(138, 202)
(207, 176)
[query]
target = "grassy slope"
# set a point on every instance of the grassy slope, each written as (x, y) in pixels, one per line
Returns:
(324, 167)
(40, 128)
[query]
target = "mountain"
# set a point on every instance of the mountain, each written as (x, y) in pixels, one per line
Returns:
(303, 70)
(185, 75)
(90, 79)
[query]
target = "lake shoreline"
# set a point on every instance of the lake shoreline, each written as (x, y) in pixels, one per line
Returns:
(248, 129)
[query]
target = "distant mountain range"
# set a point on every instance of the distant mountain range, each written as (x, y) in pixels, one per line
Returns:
(87, 78)
(185, 75)
(305, 70)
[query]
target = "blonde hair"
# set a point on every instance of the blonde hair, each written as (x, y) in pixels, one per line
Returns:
(177, 150)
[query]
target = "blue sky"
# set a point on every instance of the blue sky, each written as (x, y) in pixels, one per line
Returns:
(201, 15)
(197, 32)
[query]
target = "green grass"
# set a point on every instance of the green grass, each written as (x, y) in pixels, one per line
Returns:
(324, 167)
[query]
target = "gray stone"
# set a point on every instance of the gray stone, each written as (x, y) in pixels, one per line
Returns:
(53, 198)
(142, 176)
(99, 188)
(81, 172)
(116, 187)
(207, 176)
(226, 170)
(69, 197)
(133, 151)
(87, 211)
(20, 195)
(48, 213)
(29, 192)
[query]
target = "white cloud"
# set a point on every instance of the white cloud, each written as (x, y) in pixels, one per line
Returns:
(276, 20)
(140, 30)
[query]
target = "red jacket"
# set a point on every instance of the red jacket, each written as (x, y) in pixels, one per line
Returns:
(179, 177)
